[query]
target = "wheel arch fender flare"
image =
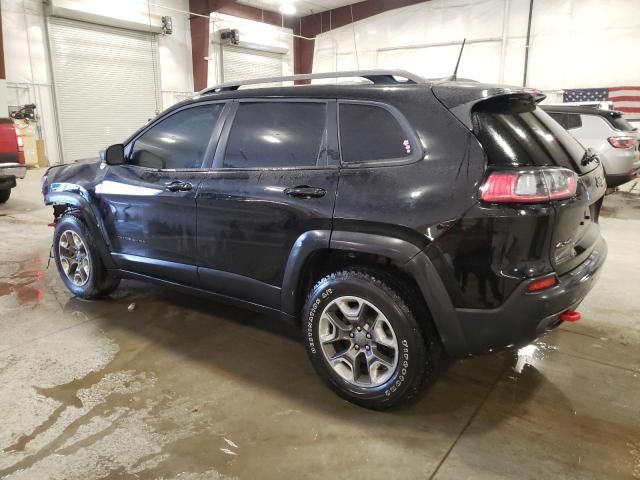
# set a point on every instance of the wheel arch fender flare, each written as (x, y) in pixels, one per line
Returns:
(404, 255)
(92, 219)
(305, 245)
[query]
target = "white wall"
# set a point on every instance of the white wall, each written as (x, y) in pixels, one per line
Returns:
(27, 56)
(574, 43)
(251, 32)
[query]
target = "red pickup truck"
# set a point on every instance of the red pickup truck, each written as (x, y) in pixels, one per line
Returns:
(12, 165)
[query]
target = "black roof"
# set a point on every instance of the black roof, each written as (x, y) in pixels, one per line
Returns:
(581, 109)
(450, 93)
(457, 91)
(311, 91)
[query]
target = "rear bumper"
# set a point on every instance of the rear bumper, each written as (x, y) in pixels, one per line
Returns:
(525, 316)
(14, 170)
(617, 180)
(619, 161)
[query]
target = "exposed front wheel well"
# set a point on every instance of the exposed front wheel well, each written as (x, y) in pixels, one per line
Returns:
(59, 209)
(62, 209)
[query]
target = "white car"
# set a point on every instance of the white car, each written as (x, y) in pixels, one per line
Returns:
(606, 132)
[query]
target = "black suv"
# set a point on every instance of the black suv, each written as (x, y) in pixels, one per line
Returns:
(396, 222)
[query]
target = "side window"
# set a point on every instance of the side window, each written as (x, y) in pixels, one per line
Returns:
(276, 134)
(179, 141)
(573, 121)
(561, 118)
(368, 132)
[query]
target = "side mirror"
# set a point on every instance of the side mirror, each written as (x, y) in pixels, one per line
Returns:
(115, 154)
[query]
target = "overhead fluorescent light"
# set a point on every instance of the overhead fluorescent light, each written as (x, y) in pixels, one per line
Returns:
(288, 8)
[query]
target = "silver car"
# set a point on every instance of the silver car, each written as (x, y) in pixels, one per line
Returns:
(612, 137)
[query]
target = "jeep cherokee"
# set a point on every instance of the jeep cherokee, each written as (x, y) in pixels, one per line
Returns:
(395, 222)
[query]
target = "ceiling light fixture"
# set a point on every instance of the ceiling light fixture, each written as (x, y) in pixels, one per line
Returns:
(288, 8)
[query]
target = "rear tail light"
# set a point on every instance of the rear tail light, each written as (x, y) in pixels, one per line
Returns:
(622, 142)
(529, 186)
(542, 284)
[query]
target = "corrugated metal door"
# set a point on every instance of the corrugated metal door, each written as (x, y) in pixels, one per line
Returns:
(106, 84)
(245, 63)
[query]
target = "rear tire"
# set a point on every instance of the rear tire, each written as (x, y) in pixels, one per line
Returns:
(364, 341)
(4, 195)
(78, 260)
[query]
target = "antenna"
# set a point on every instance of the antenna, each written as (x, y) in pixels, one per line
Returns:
(455, 71)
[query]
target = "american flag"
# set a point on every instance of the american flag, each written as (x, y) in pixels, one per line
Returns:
(625, 99)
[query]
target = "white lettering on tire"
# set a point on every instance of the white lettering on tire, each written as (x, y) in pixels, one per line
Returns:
(403, 369)
(312, 313)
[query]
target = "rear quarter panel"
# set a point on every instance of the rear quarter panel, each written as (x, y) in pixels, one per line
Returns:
(414, 201)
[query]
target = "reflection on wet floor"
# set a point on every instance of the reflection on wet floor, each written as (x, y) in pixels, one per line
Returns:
(24, 284)
(194, 385)
(181, 387)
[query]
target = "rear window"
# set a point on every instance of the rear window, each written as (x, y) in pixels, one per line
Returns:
(515, 132)
(619, 123)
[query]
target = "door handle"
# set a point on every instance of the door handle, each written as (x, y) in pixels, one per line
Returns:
(304, 191)
(178, 186)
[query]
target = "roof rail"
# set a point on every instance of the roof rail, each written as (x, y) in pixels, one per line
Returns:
(380, 77)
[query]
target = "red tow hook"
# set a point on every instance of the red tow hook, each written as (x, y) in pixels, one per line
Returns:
(570, 316)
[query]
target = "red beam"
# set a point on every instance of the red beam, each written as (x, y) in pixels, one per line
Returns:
(200, 29)
(308, 26)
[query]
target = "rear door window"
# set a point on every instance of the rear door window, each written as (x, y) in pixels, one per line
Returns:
(276, 134)
(371, 133)
(518, 133)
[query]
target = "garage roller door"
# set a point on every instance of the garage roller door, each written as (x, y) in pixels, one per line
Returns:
(246, 63)
(106, 84)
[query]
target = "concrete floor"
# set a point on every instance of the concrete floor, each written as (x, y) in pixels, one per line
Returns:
(185, 389)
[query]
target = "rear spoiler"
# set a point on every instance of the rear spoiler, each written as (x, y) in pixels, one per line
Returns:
(461, 98)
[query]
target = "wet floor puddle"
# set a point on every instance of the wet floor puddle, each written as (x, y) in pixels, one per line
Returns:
(122, 400)
(622, 205)
(25, 284)
(132, 400)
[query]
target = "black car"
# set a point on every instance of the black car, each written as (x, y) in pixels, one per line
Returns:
(395, 222)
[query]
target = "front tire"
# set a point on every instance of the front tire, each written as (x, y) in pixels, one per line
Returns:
(4, 195)
(78, 260)
(364, 341)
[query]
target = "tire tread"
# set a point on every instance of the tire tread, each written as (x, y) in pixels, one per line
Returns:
(391, 287)
(105, 282)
